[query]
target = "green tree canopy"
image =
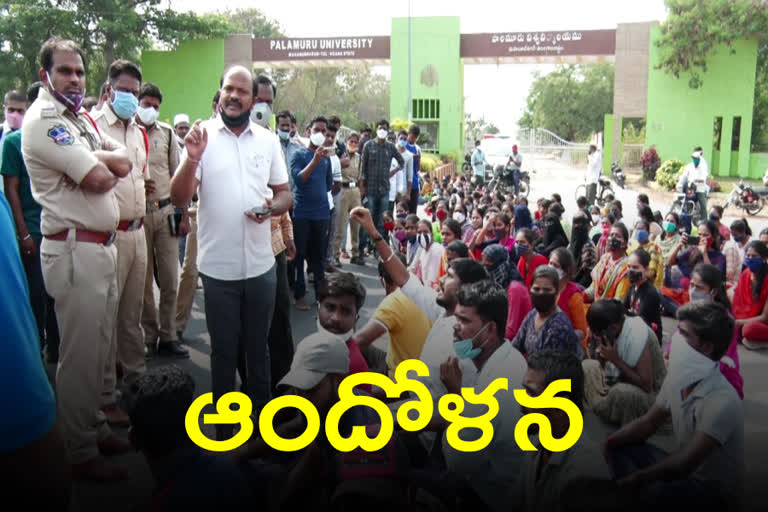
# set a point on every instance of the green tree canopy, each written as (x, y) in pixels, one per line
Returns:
(571, 101)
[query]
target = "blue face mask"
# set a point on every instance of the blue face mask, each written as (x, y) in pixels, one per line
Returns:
(754, 264)
(284, 135)
(125, 104)
(642, 236)
(402, 143)
(412, 238)
(465, 349)
(697, 296)
(522, 249)
(738, 238)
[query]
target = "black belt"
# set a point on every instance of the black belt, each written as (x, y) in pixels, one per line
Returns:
(162, 203)
(347, 185)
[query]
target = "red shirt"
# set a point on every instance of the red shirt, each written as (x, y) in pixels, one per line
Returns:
(537, 260)
(357, 362)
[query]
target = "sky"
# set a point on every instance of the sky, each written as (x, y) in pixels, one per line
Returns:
(496, 93)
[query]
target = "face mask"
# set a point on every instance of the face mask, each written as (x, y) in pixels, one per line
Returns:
(754, 264)
(261, 113)
(401, 216)
(635, 276)
(389, 226)
(14, 119)
(738, 238)
(402, 143)
(697, 296)
(696, 162)
(686, 364)
(441, 215)
(670, 227)
(148, 115)
(459, 217)
(234, 122)
(614, 244)
(522, 249)
(713, 217)
(284, 135)
(465, 349)
(424, 241)
(595, 219)
(317, 139)
(401, 235)
(125, 104)
(543, 302)
(342, 337)
(412, 238)
(641, 236)
(381, 134)
(500, 233)
(72, 101)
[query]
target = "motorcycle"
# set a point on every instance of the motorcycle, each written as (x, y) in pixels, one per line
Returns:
(687, 203)
(503, 180)
(604, 189)
(618, 174)
(745, 197)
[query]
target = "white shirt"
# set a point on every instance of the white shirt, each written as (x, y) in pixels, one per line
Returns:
(235, 174)
(594, 167)
(698, 174)
(397, 183)
(336, 171)
(429, 261)
(517, 161)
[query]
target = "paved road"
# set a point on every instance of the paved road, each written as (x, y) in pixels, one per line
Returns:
(549, 178)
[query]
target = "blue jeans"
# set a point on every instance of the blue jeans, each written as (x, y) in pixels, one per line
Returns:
(378, 204)
(311, 239)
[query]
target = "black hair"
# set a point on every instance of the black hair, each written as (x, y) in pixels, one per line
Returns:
(264, 80)
(528, 234)
(454, 226)
(121, 66)
(150, 89)
(713, 277)
(477, 143)
(33, 90)
(560, 365)
(565, 259)
(414, 129)
(711, 322)
(383, 122)
(55, 44)
(698, 148)
(643, 198)
(714, 233)
(401, 133)
(468, 271)
(217, 97)
(642, 256)
(647, 214)
(384, 273)
(604, 313)
(319, 119)
(489, 301)
(617, 204)
(557, 198)
(283, 114)
(339, 284)
(547, 272)
(675, 216)
(741, 226)
(412, 218)
(334, 121)
(582, 202)
(157, 406)
(366, 129)
(622, 228)
(459, 247)
(762, 250)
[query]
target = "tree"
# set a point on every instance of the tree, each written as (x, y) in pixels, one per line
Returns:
(694, 29)
(475, 128)
(105, 30)
(571, 101)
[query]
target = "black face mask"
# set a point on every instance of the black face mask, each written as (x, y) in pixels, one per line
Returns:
(634, 276)
(234, 122)
(614, 244)
(543, 302)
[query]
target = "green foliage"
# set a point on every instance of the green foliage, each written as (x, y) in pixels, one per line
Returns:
(475, 128)
(693, 29)
(450, 157)
(669, 172)
(571, 101)
(634, 132)
(399, 124)
(429, 162)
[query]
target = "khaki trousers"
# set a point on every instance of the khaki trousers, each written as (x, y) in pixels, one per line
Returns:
(350, 198)
(128, 341)
(82, 279)
(188, 283)
(163, 252)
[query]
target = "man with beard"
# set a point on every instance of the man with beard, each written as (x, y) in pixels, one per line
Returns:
(236, 260)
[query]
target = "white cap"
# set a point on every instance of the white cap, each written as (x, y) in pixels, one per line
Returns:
(180, 118)
(696, 154)
(316, 356)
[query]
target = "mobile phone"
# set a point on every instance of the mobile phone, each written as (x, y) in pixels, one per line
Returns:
(261, 210)
(174, 220)
(693, 240)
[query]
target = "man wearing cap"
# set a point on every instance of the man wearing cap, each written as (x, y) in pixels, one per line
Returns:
(697, 172)
(117, 119)
(515, 163)
(73, 169)
(181, 126)
(163, 224)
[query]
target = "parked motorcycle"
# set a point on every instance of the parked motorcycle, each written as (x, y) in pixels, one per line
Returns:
(745, 197)
(504, 182)
(687, 203)
(604, 185)
(618, 174)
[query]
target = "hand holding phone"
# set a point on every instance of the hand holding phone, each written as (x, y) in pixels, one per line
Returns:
(260, 213)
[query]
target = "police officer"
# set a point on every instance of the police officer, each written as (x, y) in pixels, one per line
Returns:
(73, 170)
(162, 216)
(116, 119)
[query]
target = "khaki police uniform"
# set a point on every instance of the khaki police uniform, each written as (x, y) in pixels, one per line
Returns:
(162, 247)
(128, 344)
(350, 198)
(79, 261)
(188, 283)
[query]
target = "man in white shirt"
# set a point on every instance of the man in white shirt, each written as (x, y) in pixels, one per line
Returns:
(697, 172)
(240, 174)
(478, 164)
(516, 164)
(594, 169)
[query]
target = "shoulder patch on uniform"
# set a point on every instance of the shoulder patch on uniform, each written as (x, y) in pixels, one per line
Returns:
(60, 135)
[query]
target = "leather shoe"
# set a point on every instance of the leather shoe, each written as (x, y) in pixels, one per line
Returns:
(98, 469)
(172, 349)
(116, 416)
(114, 445)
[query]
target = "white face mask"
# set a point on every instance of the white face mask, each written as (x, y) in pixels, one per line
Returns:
(148, 115)
(317, 139)
(342, 337)
(261, 114)
(595, 219)
(459, 217)
(686, 364)
(423, 241)
(382, 134)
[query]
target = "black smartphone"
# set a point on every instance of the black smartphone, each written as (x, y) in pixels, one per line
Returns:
(174, 221)
(693, 240)
(261, 210)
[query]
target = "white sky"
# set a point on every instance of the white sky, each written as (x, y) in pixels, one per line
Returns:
(496, 92)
